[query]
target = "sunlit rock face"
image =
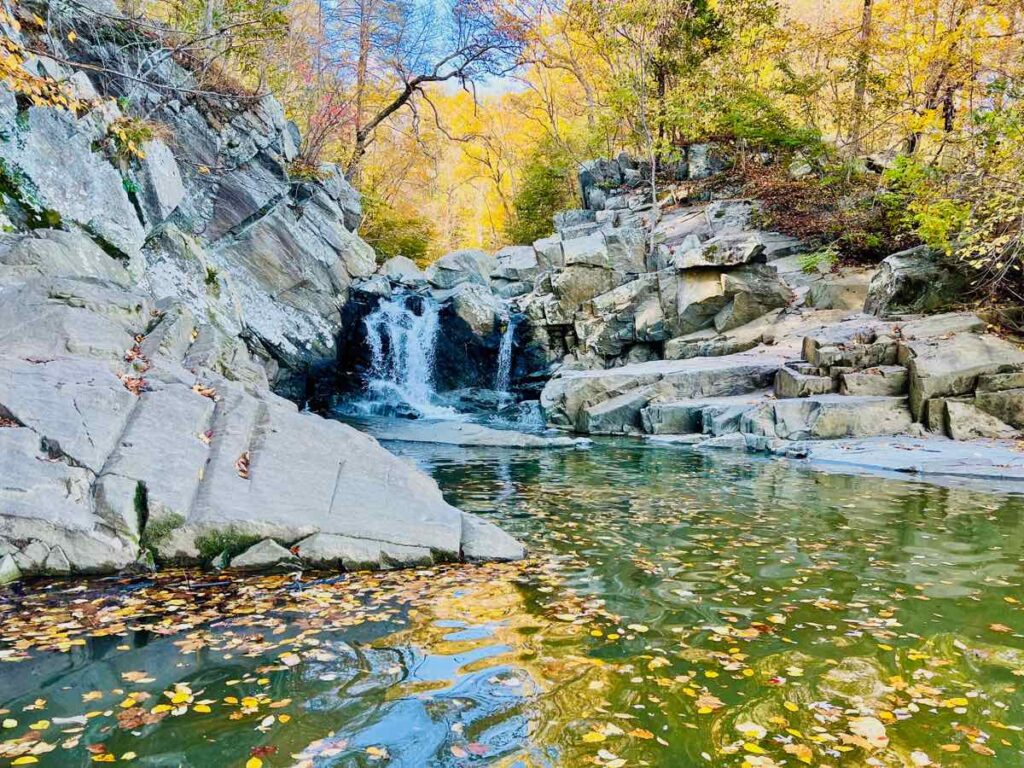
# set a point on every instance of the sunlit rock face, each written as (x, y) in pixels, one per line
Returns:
(152, 312)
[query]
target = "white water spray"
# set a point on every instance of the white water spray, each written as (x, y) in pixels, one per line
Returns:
(503, 376)
(402, 335)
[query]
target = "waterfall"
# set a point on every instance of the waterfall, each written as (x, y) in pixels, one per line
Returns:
(402, 336)
(503, 376)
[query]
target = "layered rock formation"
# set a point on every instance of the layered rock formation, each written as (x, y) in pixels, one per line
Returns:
(735, 338)
(148, 304)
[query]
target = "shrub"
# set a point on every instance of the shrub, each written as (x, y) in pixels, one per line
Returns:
(126, 135)
(392, 232)
(544, 189)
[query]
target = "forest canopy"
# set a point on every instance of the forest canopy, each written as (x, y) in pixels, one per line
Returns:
(464, 122)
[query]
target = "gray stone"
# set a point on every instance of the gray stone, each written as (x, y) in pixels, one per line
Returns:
(466, 434)
(619, 415)
(482, 540)
(549, 252)
(47, 502)
(829, 417)
(9, 571)
(912, 281)
(375, 285)
(403, 271)
(577, 284)
(1000, 381)
(1006, 405)
(942, 325)
(883, 380)
(567, 396)
(480, 309)
(845, 290)
(466, 266)
(56, 563)
(50, 154)
(951, 366)
(704, 160)
(516, 263)
(345, 195)
(78, 406)
(590, 251)
(726, 250)
(964, 421)
(789, 383)
(161, 188)
(733, 441)
(263, 556)
(565, 219)
(56, 253)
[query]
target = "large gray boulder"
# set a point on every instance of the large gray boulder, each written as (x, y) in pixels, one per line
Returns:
(951, 366)
(57, 252)
(477, 307)
(516, 264)
(567, 397)
(466, 266)
(403, 270)
(913, 281)
(53, 172)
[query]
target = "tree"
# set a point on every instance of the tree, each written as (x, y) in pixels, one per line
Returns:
(467, 41)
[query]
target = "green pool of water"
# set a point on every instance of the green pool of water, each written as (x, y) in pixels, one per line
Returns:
(680, 609)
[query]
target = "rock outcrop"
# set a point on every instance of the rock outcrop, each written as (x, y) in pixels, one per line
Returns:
(149, 303)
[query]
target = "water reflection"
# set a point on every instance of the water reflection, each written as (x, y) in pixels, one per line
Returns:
(678, 605)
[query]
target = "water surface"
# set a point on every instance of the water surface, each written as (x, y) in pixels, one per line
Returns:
(680, 609)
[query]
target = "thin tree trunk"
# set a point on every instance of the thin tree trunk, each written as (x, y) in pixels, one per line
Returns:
(860, 80)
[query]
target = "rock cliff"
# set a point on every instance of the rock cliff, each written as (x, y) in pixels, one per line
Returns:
(152, 302)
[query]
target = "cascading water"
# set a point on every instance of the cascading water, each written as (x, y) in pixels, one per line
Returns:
(503, 376)
(402, 336)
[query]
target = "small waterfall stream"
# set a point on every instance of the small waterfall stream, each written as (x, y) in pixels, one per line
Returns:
(503, 376)
(402, 336)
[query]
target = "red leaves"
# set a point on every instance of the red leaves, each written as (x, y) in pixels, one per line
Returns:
(242, 466)
(134, 384)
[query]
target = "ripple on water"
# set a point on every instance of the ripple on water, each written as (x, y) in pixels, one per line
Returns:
(678, 606)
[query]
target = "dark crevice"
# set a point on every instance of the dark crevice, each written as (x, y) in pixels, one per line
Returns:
(141, 503)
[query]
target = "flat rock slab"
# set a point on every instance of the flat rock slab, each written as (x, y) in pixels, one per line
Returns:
(567, 399)
(467, 434)
(990, 460)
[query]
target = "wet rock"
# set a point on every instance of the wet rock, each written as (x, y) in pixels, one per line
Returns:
(263, 556)
(482, 540)
(477, 307)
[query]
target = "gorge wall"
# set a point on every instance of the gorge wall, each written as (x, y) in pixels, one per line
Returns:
(151, 303)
